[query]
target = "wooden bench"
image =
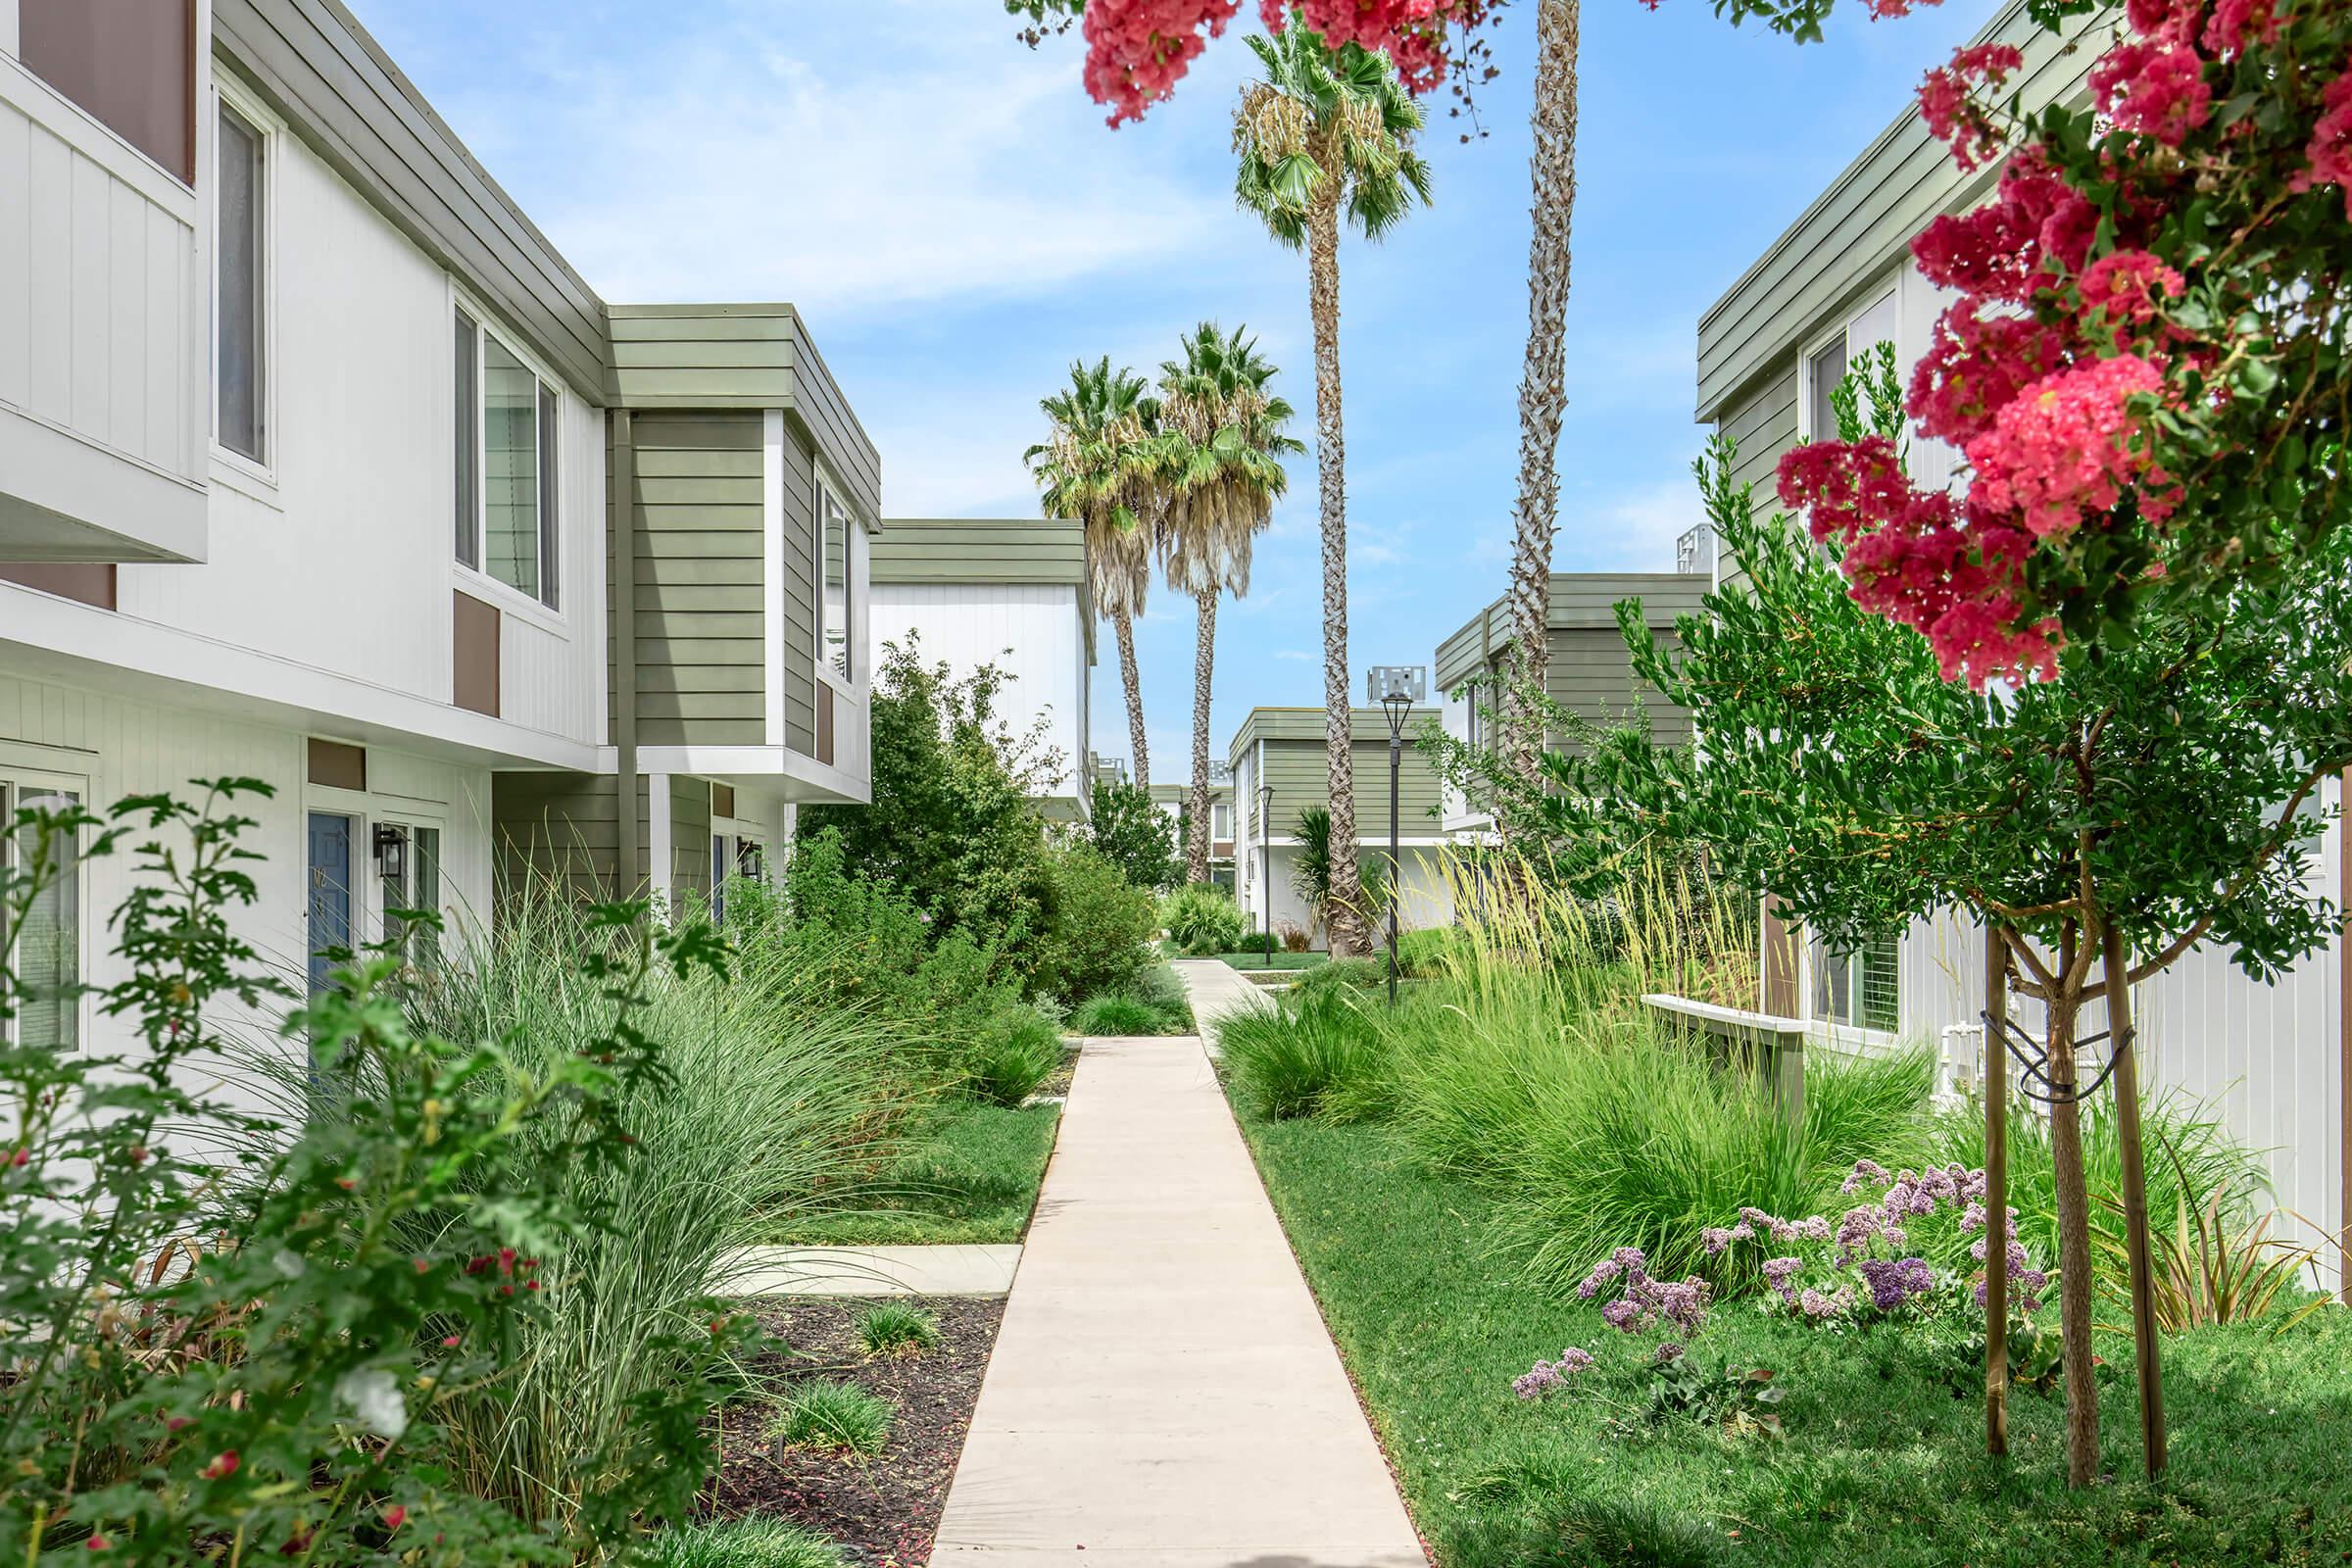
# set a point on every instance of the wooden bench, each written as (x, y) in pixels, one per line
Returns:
(1772, 1047)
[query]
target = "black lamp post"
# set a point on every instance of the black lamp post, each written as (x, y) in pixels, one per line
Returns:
(1396, 687)
(1265, 862)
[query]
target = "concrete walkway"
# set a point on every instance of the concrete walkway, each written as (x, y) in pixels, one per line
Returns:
(1216, 990)
(1163, 1392)
(948, 1270)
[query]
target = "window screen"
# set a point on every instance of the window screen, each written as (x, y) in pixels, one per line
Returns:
(1827, 369)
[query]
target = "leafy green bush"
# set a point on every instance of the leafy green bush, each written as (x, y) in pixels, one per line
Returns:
(223, 1328)
(1021, 1052)
(1154, 1005)
(1098, 927)
(1127, 828)
(833, 1415)
(1309, 1057)
(1202, 918)
(1425, 953)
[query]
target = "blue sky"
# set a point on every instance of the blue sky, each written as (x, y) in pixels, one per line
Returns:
(957, 224)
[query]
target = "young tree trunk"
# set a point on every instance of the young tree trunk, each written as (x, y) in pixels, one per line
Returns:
(1542, 389)
(1995, 1089)
(2114, 965)
(1331, 466)
(1204, 659)
(1135, 704)
(2073, 1234)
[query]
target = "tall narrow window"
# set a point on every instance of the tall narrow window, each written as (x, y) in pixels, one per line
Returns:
(510, 468)
(507, 468)
(44, 951)
(1827, 370)
(238, 355)
(546, 495)
(836, 628)
(468, 398)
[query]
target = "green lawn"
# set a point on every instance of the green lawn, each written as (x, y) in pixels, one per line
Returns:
(1883, 1464)
(1255, 958)
(971, 1177)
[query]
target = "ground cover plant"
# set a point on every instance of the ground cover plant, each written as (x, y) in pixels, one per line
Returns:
(747, 1543)
(832, 1415)
(1878, 1465)
(964, 1172)
(898, 1328)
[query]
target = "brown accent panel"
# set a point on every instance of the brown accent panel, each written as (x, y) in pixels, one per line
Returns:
(824, 723)
(338, 764)
(90, 583)
(130, 62)
(723, 800)
(473, 656)
(1780, 962)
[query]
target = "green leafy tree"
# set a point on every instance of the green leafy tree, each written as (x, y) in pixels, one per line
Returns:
(2154, 793)
(954, 823)
(1325, 138)
(1227, 438)
(1127, 828)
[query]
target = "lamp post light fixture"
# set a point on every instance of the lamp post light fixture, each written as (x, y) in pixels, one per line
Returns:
(1396, 688)
(1265, 862)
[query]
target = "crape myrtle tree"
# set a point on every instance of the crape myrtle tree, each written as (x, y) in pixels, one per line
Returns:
(2146, 368)
(1324, 141)
(2136, 798)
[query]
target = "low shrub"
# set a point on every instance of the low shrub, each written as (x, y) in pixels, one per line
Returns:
(1203, 919)
(1312, 1056)
(1426, 953)
(1098, 927)
(1117, 1017)
(748, 1542)
(1020, 1050)
(898, 1328)
(833, 1415)
(1354, 974)
(1292, 937)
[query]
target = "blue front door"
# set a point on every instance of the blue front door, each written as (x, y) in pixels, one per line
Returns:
(331, 891)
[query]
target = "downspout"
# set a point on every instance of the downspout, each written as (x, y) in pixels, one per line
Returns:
(625, 881)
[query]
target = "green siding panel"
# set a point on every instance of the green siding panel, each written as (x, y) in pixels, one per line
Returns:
(565, 826)
(701, 609)
(799, 521)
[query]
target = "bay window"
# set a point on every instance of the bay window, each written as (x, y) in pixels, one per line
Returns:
(836, 609)
(507, 463)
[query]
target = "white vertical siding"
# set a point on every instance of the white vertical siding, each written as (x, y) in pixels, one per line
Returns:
(2267, 1058)
(344, 559)
(1031, 630)
(101, 294)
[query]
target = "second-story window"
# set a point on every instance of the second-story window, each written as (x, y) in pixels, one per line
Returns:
(1824, 370)
(836, 609)
(507, 469)
(240, 260)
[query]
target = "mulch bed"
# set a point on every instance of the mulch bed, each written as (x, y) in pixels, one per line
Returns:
(1058, 1081)
(883, 1510)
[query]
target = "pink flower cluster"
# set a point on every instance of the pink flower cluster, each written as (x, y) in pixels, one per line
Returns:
(1410, 32)
(2128, 289)
(1136, 50)
(1947, 101)
(2154, 87)
(2068, 444)
(2331, 146)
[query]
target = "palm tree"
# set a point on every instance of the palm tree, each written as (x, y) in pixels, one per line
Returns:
(1101, 466)
(1325, 131)
(1542, 391)
(1227, 439)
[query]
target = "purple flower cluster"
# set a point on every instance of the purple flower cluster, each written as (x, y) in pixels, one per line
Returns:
(1547, 1375)
(1892, 1282)
(1642, 1302)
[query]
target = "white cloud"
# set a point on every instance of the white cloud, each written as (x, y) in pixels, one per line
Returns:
(752, 156)
(1630, 531)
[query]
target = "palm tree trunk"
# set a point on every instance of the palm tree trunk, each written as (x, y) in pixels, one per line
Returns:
(1542, 389)
(1331, 465)
(1134, 700)
(1204, 660)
